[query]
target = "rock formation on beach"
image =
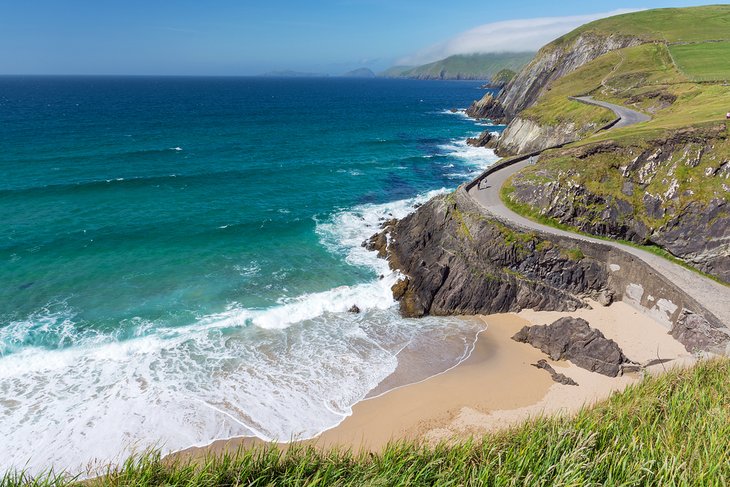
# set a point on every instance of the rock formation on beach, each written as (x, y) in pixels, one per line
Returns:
(573, 339)
(556, 376)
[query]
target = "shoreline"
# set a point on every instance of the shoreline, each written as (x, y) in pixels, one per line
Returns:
(494, 388)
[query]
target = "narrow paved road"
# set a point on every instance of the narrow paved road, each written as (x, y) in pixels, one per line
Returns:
(627, 115)
(713, 296)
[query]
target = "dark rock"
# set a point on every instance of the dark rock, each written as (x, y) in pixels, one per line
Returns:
(354, 309)
(377, 243)
(573, 339)
(486, 139)
(692, 228)
(557, 377)
(459, 262)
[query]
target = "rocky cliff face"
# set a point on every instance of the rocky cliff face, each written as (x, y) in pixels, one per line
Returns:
(671, 192)
(459, 262)
(552, 62)
(523, 135)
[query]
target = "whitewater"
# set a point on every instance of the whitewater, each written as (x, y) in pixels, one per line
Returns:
(91, 376)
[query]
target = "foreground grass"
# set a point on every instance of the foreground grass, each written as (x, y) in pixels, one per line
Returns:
(668, 430)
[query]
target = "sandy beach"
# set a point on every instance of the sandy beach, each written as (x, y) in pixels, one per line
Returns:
(496, 386)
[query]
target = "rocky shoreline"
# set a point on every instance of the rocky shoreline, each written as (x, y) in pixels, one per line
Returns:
(458, 261)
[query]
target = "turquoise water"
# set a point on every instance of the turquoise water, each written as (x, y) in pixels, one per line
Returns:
(179, 254)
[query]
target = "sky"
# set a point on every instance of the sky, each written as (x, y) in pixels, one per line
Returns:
(248, 37)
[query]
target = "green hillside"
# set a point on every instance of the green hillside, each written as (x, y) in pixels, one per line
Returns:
(682, 86)
(705, 61)
(464, 66)
(671, 25)
(656, 78)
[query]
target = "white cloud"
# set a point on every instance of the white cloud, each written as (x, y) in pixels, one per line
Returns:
(506, 36)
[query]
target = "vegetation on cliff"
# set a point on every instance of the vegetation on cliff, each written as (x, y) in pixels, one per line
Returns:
(673, 429)
(503, 77)
(664, 182)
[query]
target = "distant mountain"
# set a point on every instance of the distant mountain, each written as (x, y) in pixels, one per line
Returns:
(360, 73)
(464, 66)
(396, 71)
(292, 74)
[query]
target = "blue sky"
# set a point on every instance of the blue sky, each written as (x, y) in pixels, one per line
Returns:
(239, 37)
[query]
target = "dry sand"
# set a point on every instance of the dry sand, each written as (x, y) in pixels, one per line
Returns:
(497, 387)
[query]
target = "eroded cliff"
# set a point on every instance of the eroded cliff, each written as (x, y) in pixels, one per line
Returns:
(457, 261)
(669, 191)
(552, 62)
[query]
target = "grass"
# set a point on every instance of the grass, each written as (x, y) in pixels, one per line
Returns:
(529, 212)
(672, 429)
(647, 78)
(708, 61)
(671, 25)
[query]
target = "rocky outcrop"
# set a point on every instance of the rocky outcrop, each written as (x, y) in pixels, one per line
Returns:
(557, 377)
(671, 192)
(456, 261)
(486, 107)
(694, 333)
(486, 139)
(552, 62)
(573, 339)
(523, 135)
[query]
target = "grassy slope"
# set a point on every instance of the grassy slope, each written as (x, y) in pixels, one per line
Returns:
(668, 430)
(634, 76)
(670, 25)
(707, 61)
(475, 66)
(647, 78)
(631, 71)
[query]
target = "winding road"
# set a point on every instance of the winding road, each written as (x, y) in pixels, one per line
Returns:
(712, 295)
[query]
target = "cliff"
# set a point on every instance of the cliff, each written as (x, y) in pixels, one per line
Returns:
(661, 183)
(458, 261)
(487, 66)
(552, 62)
(670, 191)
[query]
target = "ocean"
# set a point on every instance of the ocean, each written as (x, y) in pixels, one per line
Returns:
(179, 255)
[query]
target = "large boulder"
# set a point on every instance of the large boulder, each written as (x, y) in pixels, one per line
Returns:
(573, 339)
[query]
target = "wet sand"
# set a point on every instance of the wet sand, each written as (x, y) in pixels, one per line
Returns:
(496, 386)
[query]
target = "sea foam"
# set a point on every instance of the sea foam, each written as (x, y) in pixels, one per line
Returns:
(286, 372)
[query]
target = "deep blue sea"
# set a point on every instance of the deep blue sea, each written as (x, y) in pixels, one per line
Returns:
(178, 255)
